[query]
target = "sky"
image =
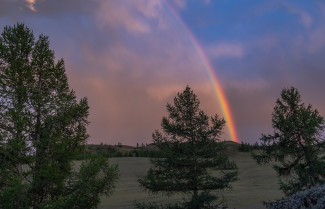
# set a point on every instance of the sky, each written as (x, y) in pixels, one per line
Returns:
(131, 57)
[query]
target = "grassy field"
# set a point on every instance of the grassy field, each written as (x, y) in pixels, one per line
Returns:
(256, 184)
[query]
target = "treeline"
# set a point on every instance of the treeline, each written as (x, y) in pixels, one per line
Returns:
(111, 151)
(246, 147)
(119, 150)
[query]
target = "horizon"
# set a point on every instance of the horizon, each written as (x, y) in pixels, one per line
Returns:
(130, 58)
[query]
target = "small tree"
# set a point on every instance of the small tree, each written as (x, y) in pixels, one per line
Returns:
(296, 144)
(42, 127)
(189, 148)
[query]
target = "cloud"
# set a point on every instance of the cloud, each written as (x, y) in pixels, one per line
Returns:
(267, 43)
(129, 78)
(179, 3)
(120, 61)
(290, 35)
(11, 8)
(305, 18)
(31, 5)
(163, 92)
(316, 36)
(317, 40)
(251, 103)
(134, 16)
(225, 50)
(130, 57)
(118, 112)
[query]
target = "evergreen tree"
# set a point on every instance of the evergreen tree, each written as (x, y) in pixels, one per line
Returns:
(42, 127)
(296, 144)
(191, 149)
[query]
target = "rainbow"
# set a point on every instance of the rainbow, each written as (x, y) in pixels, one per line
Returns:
(221, 97)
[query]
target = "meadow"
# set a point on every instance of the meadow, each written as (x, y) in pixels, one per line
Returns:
(255, 185)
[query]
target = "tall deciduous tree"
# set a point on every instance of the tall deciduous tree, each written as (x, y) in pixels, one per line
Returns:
(42, 128)
(296, 144)
(16, 46)
(191, 151)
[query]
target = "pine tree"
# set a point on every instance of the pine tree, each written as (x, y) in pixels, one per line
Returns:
(191, 149)
(296, 144)
(43, 127)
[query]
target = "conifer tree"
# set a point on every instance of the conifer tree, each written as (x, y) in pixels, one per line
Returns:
(296, 144)
(42, 127)
(191, 149)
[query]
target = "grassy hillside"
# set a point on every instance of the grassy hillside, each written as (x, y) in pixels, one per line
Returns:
(256, 184)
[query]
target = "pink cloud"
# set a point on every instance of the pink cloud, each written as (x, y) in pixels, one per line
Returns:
(123, 14)
(161, 93)
(31, 5)
(225, 50)
(180, 3)
(128, 88)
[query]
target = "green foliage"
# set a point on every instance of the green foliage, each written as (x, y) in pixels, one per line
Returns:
(94, 177)
(296, 144)
(42, 126)
(14, 195)
(190, 147)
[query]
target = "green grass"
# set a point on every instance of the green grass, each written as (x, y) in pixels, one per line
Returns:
(256, 184)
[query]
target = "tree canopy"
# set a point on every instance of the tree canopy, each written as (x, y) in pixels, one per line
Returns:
(191, 146)
(42, 128)
(296, 144)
